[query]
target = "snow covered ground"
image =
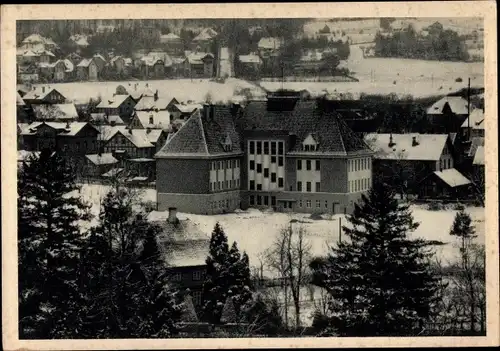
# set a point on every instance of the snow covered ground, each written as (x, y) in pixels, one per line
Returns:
(255, 230)
(181, 89)
(420, 78)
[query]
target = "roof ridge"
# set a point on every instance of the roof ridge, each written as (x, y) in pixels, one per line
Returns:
(174, 136)
(203, 133)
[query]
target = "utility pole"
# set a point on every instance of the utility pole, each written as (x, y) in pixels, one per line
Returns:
(468, 110)
(340, 229)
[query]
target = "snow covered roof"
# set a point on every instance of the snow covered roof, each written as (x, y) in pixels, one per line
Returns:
(19, 100)
(34, 39)
(112, 172)
(269, 43)
(84, 63)
(196, 58)
(55, 111)
(113, 101)
(476, 119)
(479, 156)
(69, 67)
(169, 37)
(251, 58)
(102, 118)
(149, 103)
(80, 40)
(188, 108)
(107, 131)
(452, 177)
(67, 129)
(39, 93)
(138, 137)
(429, 148)
(206, 34)
(160, 119)
(102, 159)
(458, 105)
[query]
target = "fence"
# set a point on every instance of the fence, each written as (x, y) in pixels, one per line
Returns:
(310, 79)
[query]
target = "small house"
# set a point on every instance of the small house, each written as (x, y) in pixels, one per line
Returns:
(151, 119)
(269, 46)
(172, 43)
(63, 70)
(43, 95)
(183, 111)
(448, 183)
(99, 164)
(117, 105)
(448, 114)
(473, 125)
(199, 65)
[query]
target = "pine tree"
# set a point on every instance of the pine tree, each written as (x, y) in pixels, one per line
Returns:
(380, 281)
(228, 314)
(49, 242)
(188, 314)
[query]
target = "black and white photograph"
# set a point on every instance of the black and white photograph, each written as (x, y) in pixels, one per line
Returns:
(255, 177)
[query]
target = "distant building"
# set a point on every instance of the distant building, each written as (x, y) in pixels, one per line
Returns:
(204, 40)
(269, 46)
(448, 114)
(151, 119)
(199, 65)
(43, 95)
(448, 183)
(473, 125)
(117, 105)
(98, 164)
(172, 44)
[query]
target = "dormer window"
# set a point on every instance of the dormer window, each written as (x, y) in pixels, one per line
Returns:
(227, 145)
(310, 144)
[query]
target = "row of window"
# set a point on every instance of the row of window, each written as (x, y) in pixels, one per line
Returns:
(359, 185)
(224, 204)
(308, 165)
(310, 147)
(225, 164)
(225, 185)
(196, 276)
(258, 166)
(258, 186)
(309, 187)
(266, 147)
(359, 164)
(309, 204)
(262, 200)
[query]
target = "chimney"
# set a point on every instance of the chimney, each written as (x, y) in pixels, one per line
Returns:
(391, 143)
(156, 95)
(148, 130)
(414, 141)
(130, 130)
(172, 215)
(43, 90)
(206, 111)
(67, 125)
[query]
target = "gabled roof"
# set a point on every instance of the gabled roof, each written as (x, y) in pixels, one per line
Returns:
(102, 159)
(113, 101)
(269, 43)
(161, 119)
(452, 177)
(102, 118)
(429, 148)
(34, 38)
(67, 129)
(55, 111)
(149, 103)
(196, 58)
(38, 93)
(479, 156)
(169, 37)
(138, 137)
(330, 131)
(475, 143)
(84, 63)
(68, 65)
(476, 119)
(458, 105)
(251, 58)
(188, 108)
(206, 34)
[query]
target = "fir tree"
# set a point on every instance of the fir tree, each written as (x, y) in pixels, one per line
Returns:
(228, 314)
(380, 281)
(188, 314)
(49, 242)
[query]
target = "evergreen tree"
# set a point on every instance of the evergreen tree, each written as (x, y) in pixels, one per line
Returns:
(380, 281)
(228, 314)
(49, 243)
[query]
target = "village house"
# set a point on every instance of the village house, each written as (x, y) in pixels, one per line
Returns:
(63, 70)
(43, 95)
(172, 44)
(473, 125)
(151, 119)
(79, 42)
(98, 164)
(152, 66)
(90, 69)
(250, 64)
(448, 114)
(183, 111)
(55, 112)
(204, 40)
(150, 103)
(104, 119)
(199, 65)
(407, 159)
(185, 248)
(117, 105)
(445, 184)
(269, 46)
(275, 156)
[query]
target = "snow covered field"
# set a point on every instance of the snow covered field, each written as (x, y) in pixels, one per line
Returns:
(182, 89)
(254, 230)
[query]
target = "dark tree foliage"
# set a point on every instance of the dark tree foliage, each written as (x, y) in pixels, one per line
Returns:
(380, 281)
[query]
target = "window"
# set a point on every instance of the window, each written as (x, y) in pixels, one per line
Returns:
(197, 298)
(259, 147)
(252, 147)
(308, 203)
(259, 200)
(229, 164)
(280, 148)
(273, 148)
(369, 164)
(220, 165)
(280, 161)
(299, 165)
(318, 165)
(230, 183)
(299, 186)
(196, 275)
(259, 168)
(266, 148)
(252, 200)
(259, 187)
(237, 163)
(266, 172)
(280, 182)
(273, 177)
(212, 166)
(218, 185)
(252, 185)
(318, 203)
(273, 200)
(449, 163)
(326, 204)
(177, 277)
(211, 186)
(300, 203)
(273, 159)
(266, 200)
(308, 165)
(308, 187)
(252, 165)
(318, 187)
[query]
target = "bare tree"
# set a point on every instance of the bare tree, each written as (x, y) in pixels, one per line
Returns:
(478, 183)
(289, 257)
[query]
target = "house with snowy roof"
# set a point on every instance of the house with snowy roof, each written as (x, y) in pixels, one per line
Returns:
(281, 153)
(155, 103)
(184, 110)
(63, 69)
(269, 46)
(199, 65)
(172, 43)
(445, 184)
(79, 42)
(155, 64)
(98, 164)
(204, 40)
(43, 95)
(151, 119)
(36, 41)
(117, 105)
(251, 61)
(448, 114)
(89, 69)
(473, 125)
(184, 247)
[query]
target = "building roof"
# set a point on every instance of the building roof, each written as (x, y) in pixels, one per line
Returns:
(479, 156)
(475, 143)
(102, 118)
(102, 159)
(149, 103)
(80, 40)
(19, 100)
(188, 108)
(68, 65)
(196, 58)
(37, 38)
(452, 177)
(329, 129)
(39, 93)
(84, 63)
(138, 137)
(269, 43)
(429, 148)
(206, 34)
(250, 58)
(55, 111)
(114, 101)
(161, 119)
(68, 129)
(458, 105)
(169, 37)
(476, 119)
